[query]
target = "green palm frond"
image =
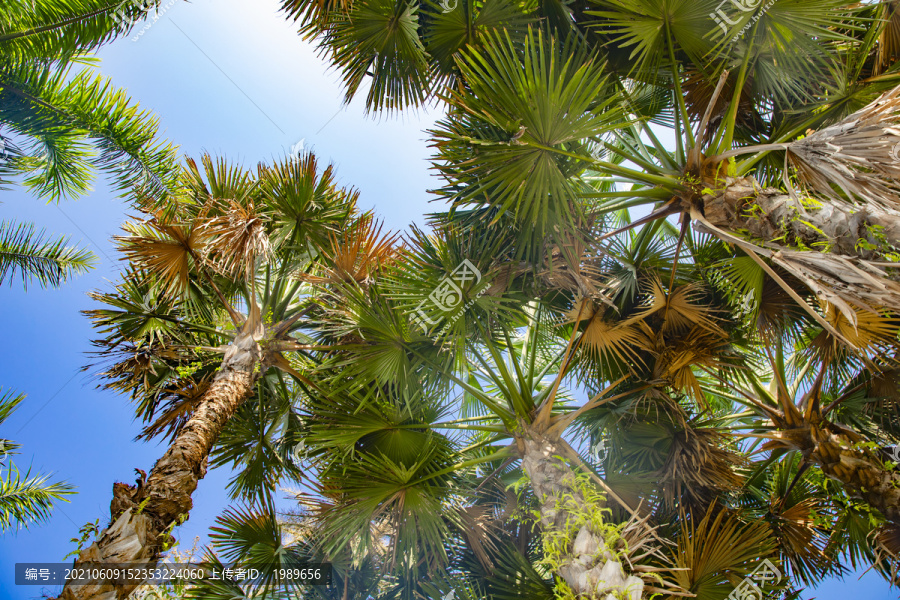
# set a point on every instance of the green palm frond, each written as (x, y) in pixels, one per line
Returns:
(509, 143)
(381, 38)
(25, 499)
(76, 121)
(450, 32)
(30, 255)
(62, 29)
(260, 441)
(9, 400)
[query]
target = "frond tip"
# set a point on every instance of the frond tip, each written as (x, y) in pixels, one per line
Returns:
(23, 499)
(34, 257)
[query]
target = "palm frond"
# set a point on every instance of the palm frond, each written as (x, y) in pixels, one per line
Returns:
(31, 255)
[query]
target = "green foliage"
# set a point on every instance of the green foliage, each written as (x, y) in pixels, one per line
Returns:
(677, 345)
(25, 499)
(35, 258)
(87, 531)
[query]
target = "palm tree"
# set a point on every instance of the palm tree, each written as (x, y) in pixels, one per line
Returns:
(419, 419)
(548, 136)
(66, 122)
(398, 489)
(748, 90)
(210, 314)
(55, 119)
(414, 452)
(24, 498)
(61, 122)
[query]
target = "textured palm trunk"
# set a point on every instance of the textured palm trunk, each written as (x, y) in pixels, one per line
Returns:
(863, 472)
(143, 516)
(590, 568)
(768, 213)
(846, 244)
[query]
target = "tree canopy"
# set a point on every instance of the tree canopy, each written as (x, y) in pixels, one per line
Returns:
(648, 349)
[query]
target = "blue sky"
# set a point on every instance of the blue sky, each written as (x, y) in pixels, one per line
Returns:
(230, 78)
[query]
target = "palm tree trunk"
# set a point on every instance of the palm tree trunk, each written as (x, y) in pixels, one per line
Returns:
(143, 516)
(769, 213)
(838, 250)
(589, 565)
(862, 471)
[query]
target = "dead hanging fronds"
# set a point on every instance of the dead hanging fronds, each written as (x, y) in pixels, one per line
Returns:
(701, 465)
(480, 530)
(356, 254)
(842, 279)
(889, 40)
(860, 155)
(175, 405)
(887, 551)
(569, 265)
(238, 238)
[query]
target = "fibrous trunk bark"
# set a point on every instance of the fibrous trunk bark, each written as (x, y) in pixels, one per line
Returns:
(846, 245)
(142, 516)
(589, 567)
(768, 213)
(862, 471)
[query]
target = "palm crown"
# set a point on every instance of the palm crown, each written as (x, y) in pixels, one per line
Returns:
(737, 365)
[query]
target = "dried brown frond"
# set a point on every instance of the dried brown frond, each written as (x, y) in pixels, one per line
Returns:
(480, 530)
(585, 279)
(357, 254)
(887, 550)
(842, 280)
(238, 239)
(871, 332)
(777, 311)
(130, 366)
(858, 155)
(677, 329)
(680, 310)
(176, 403)
(613, 343)
(678, 356)
(639, 545)
(799, 539)
(889, 41)
(164, 248)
